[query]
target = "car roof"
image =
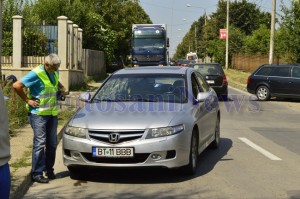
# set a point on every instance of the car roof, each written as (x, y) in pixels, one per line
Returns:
(282, 65)
(154, 70)
(204, 63)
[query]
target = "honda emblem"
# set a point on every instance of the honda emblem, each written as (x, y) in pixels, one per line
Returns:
(114, 137)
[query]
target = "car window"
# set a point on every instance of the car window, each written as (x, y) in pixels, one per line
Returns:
(203, 84)
(166, 88)
(296, 72)
(264, 71)
(195, 86)
(281, 71)
(208, 69)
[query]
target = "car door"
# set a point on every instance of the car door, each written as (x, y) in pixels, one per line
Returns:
(295, 81)
(280, 80)
(210, 104)
(201, 112)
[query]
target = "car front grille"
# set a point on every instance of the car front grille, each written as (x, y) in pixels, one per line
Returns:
(148, 57)
(115, 137)
(138, 158)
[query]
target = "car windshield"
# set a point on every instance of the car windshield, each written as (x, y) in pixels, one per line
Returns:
(147, 88)
(209, 69)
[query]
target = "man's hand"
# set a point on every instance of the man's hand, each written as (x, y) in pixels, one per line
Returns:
(33, 103)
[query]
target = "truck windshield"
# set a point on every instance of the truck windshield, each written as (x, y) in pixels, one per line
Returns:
(148, 42)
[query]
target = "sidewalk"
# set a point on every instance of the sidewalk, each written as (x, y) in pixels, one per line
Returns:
(20, 162)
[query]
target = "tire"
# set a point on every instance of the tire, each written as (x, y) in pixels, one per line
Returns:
(216, 142)
(191, 168)
(263, 93)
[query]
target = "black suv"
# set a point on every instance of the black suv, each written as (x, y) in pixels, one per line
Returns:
(281, 80)
(214, 76)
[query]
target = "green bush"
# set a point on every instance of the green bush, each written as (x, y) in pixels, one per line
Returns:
(16, 108)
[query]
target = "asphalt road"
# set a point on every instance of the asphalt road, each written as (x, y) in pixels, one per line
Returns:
(259, 157)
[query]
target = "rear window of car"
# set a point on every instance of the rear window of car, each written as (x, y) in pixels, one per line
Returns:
(264, 71)
(209, 69)
(281, 71)
(296, 72)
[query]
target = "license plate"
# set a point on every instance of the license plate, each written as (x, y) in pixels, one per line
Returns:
(210, 81)
(112, 152)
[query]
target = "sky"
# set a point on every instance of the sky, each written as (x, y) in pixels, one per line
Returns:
(179, 17)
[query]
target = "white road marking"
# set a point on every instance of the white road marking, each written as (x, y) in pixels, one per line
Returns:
(259, 149)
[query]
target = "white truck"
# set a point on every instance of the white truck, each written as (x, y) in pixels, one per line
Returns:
(192, 56)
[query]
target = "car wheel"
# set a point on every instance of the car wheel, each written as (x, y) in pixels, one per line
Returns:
(216, 142)
(263, 93)
(191, 168)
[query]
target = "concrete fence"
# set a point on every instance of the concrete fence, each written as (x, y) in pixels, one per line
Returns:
(76, 63)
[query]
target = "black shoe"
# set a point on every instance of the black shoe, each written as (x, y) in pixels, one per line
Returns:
(50, 175)
(40, 179)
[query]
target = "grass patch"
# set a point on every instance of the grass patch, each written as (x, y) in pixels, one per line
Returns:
(16, 109)
(24, 161)
(237, 78)
(64, 116)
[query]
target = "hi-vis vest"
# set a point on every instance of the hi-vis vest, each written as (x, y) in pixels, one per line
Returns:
(47, 98)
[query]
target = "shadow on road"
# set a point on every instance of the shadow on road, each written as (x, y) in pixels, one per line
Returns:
(207, 161)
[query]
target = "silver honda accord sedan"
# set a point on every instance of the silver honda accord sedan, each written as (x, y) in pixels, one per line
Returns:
(144, 117)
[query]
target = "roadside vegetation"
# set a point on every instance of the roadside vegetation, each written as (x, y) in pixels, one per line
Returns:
(249, 33)
(106, 24)
(237, 78)
(107, 27)
(18, 115)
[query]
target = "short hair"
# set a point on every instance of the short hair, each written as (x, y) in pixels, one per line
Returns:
(52, 59)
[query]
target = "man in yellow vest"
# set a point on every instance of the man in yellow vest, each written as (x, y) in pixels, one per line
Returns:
(41, 101)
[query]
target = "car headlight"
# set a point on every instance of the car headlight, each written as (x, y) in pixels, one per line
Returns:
(164, 131)
(76, 131)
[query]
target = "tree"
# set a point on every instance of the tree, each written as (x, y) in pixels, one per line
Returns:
(288, 34)
(245, 18)
(10, 9)
(259, 41)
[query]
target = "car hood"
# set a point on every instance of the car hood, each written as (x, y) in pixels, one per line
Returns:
(128, 115)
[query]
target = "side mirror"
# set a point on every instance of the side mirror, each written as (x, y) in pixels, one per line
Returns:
(86, 97)
(201, 97)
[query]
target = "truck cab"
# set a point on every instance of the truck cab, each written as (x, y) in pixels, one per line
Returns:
(149, 46)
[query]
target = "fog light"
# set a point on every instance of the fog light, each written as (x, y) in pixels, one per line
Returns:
(76, 155)
(156, 156)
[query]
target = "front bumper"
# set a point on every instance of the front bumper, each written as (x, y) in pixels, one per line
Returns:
(173, 151)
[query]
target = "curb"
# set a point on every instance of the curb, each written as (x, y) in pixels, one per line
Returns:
(23, 185)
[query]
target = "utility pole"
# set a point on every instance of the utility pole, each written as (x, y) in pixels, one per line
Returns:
(271, 55)
(227, 36)
(196, 38)
(1, 40)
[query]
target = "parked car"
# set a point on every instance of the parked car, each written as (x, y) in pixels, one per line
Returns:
(186, 62)
(275, 81)
(214, 76)
(180, 61)
(172, 63)
(116, 64)
(144, 117)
